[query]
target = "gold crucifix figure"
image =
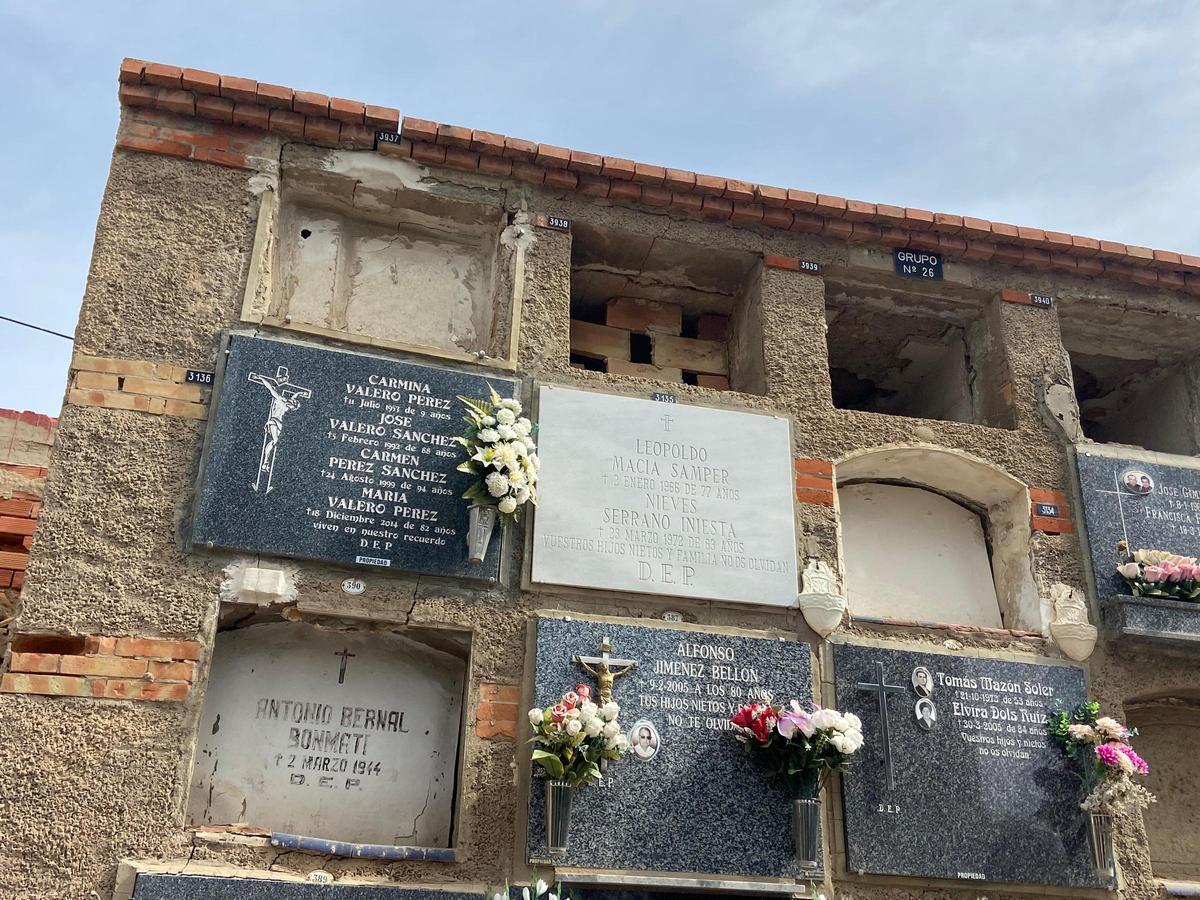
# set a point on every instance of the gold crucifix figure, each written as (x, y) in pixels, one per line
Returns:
(602, 668)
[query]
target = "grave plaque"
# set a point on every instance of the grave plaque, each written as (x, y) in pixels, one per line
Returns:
(156, 886)
(636, 495)
(1149, 505)
(958, 778)
(344, 457)
(686, 798)
(343, 736)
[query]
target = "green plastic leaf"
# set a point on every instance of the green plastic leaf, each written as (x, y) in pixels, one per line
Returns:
(550, 762)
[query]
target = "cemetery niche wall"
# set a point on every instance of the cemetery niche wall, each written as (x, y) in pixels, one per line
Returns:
(694, 805)
(958, 778)
(663, 498)
(336, 734)
(343, 457)
(1146, 501)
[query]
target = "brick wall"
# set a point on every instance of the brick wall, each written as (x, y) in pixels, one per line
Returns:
(25, 442)
(134, 384)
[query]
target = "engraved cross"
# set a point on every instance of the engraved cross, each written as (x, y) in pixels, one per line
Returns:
(346, 656)
(666, 420)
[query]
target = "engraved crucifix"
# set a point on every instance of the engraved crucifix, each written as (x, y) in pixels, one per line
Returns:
(881, 689)
(346, 656)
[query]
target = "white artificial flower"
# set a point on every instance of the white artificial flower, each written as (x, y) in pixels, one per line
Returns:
(525, 893)
(826, 718)
(622, 743)
(610, 743)
(852, 721)
(588, 709)
(592, 727)
(507, 505)
(505, 416)
(854, 741)
(573, 726)
(516, 477)
(535, 716)
(610, 710)
(504, 456)
(518, 447)
(542, 887)
(840, 743)
(489, 435)
(514, 406)
(528, 442)
(497, 484)
(611, 729)
(522, 426)
(488, 421)
(522, 494)
(506, 432)
(537, 463)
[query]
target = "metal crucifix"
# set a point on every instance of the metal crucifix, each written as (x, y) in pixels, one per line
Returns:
(602, 668)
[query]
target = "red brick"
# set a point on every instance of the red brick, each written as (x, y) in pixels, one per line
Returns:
(1191, 284)
(1189, 262)
(770, 195)
(1031, 235)
(1147, 277)
(149, 145)
(830, 205)
(165, 691)
(949, 243)
(116, 666)
(776, 261)
(35, 642)
(717, 207)
(680, 179)
(22, 508)
(526, 171)
(1036, 258)
(625, 190)
(118, 689)
(817, 498)
(552, 157)
(917, 218)
(182, 102)
(417, 129)
(947, 222)
(1063, 261)
(592, 185)
(1089, 266)
(892, 215)
(252, 115)
(1112, 248)
(738, 190)
(289, 123)
(494, 712)
(560, 178)
(137, 95)
(1058, 240)
(454, 135)
(200, 82)
(350, 111)
(1051, 526)
(616, 167)
(401, 149)
(807, 223)
(54, 685)
(384, 118)
(462, 158)
(837, 228)
(495, 165)
(310, 103)
(1010, 295)
(17, 525)
(519, 148)
(710, 184)
(592, 163)
(1045, 495)
(1118, 270)
(487, 142)
(275, 96)
(157, 648)
(688, 202)
(6, 577)
(501, 730)
(1172, 281)
(814, 482)
(131, 71)
(1139, 255)
(804, 200)
(428, 153)
(34, 662)
(747, 212)
(501, 693)
(326, 131)
(357, 136)
(652, 196)
(219, 109)
(240, 90)
(172, 671)
(160, 75)
(813, 466)
(1085, 245)
(860, 210)
(973, 227)
(1007, 254)
(776, 217)
(1002, 231)
(221, 158)
(98, 643)
(648, 174)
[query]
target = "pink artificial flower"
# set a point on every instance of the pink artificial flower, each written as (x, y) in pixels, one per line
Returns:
(584, 691)
(1139, 764)
(1109, 755)
(570, 699)
(1154, 574)
(558, 712)
(793, 720)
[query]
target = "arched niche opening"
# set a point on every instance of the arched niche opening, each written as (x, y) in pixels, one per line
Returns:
(1169, 729)
(934, 534)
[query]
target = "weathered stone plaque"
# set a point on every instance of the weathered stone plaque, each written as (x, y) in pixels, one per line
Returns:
(664, 499)
(958, 778)
(345, 457)
(686, 798)
(1149, 505)
(344, 736)
(155, 886)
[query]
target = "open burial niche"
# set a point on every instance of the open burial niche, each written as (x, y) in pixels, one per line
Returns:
(332, 733)
(359, 252)
(918, 356)
(665, 310)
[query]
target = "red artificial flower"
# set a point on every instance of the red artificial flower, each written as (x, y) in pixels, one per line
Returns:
(570, 699)
(584, 691)
(558, 712)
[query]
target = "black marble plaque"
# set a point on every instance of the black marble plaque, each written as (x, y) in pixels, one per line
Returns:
(983, 795)
(700, 804)
(153, 886)
(344, 457)
(1153, 507)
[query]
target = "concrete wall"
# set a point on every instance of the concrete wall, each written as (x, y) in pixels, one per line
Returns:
(89, 782)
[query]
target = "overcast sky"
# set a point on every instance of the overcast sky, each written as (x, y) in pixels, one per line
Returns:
(1076, 116)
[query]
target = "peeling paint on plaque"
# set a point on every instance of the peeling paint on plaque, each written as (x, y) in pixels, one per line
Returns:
(341, 735)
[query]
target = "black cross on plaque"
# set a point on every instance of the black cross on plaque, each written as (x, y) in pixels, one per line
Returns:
(882, 689)
(346, 656)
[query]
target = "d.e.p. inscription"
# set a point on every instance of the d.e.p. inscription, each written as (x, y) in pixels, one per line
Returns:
(345, 457)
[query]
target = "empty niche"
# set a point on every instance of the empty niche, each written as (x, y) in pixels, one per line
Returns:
(664, 310)
(390, 267)
(332, 732)
(920, 357)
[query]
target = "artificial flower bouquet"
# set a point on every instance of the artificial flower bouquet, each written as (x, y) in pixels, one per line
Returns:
(798, 746)
(537, 890)
(1100, 748)
(501, 454)
(1157, 573)
(574, 734)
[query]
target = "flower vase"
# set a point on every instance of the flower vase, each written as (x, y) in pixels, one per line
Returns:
(479, 532)
(806, 832)
(558, 815)
(1100, 828)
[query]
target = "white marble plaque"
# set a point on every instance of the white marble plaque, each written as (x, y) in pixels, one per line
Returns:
(343, 736)
(657, 498)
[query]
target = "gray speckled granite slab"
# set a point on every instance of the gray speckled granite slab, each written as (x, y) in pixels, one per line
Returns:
(984, 795)
(1145, 618)
(154, 886)
(700, 805)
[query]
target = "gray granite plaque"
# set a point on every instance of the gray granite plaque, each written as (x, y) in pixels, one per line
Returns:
(1150, 505)
(958, 778)
(344, 457)
(657, 498)
(698, 804)
(154, 886)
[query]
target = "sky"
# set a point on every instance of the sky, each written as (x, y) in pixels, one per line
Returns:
(1073, 116)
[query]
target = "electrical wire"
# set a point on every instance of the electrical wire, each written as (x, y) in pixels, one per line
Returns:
(38, 328)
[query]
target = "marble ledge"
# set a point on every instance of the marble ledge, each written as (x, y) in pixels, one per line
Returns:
(589, 878)
(948, 626)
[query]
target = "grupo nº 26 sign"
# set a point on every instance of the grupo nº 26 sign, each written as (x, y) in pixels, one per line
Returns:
(918, 264)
